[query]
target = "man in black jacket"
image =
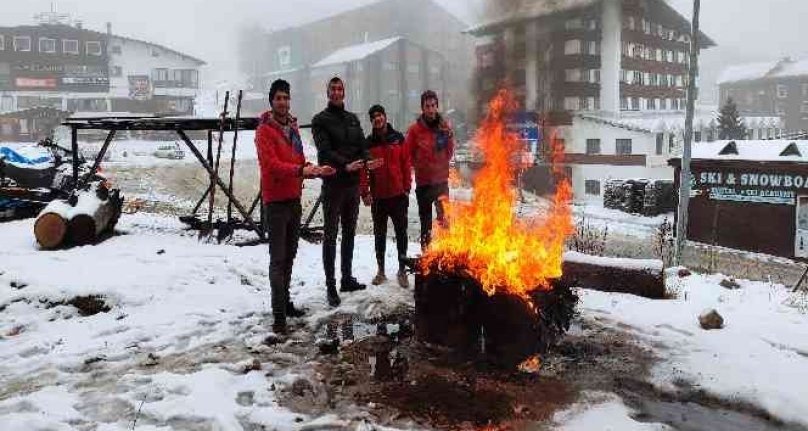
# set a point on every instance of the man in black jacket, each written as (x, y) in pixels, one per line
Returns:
(340, 144)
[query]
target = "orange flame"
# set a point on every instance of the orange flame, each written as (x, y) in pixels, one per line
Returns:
(455, 180)
(484, 239)
(531, 365)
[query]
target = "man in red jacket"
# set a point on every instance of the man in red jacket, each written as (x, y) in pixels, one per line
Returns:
(386, 190)
(283, 168)
(430, 141)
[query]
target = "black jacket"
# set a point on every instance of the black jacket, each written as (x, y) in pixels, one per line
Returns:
(340, 141)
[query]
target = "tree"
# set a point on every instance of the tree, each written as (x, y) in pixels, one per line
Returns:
(730, 125)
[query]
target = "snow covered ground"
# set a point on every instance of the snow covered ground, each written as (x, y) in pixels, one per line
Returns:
(186, 320)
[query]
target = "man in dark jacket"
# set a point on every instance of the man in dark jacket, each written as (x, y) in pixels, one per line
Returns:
(283, 168)
(431, 143)
(340, 144)
(386, 190)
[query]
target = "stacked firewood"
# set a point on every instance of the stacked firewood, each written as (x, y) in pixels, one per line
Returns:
(81, 219)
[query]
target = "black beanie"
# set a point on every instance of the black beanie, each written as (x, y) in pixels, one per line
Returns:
(376, 109)
(279, 85)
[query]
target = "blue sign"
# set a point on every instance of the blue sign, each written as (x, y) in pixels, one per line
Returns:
(526, 125)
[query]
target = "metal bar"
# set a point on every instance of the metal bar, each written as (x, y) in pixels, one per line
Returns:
(221, 184)
(684, 178)
(233, 157)
(201, 200)
(313, 211)
(799, 282)
(214, 174)
(254, 204)
(98, 158)
(74, 146)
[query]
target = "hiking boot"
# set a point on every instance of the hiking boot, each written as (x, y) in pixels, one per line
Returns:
(333, 296)
(292, 311)
(351, 285)
(279, 327)
(380, 278)
(402, 278)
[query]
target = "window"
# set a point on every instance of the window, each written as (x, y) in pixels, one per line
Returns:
(660, 143)
(93, 48)
(572, 103)
(592, 146)
(2, 42)
(285, 57)
(654, 79)
(804, 108)
(637, 78)
(697, 136)
(47, 46)
(116, 49)
(116, 71)
(574, 24)
(658, 54)
(22, 43)
(632, 23)
(6, 104)
(651, 105)
(669, 56)
(593, 76)
(623, 147)
(160, 74)
(624, 75)
(70, 47)
(572, 75)
(624, 104)
(593, 47)
(671, 143)
(782, 91)
(592, 187)
(572, 47)
(635, 103)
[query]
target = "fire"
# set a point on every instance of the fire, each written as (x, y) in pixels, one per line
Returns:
(531, 365)
(455, 180)
(484, 239)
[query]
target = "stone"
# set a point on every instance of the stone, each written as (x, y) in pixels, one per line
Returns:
(711, 319)
(684, 272)
(730, 283)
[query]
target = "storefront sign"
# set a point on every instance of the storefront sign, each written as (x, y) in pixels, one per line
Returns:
(35, 83)
(68, 77)
(755, 187)
(140, 87)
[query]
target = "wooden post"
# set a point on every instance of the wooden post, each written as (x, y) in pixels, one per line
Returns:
(74, 147)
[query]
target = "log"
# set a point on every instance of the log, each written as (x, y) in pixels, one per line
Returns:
(641, 277)
(95, 212)
(50, 227)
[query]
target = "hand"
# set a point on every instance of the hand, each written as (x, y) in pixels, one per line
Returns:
(375, 164)
(355, 166)
(367, 200)
(311, 171)
(327, 171)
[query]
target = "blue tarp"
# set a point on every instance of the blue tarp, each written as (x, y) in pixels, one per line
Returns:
(11, 156)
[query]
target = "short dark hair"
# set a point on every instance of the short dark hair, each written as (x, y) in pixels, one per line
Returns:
(376, 109)
(279, 85)
(335, 80)
(428, 95)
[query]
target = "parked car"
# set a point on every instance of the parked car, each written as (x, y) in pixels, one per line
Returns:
(170, 151)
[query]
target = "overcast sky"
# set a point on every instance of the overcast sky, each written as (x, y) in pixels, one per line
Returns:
(745, 30)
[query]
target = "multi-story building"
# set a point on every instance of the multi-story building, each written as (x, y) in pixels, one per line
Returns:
(776, 88)
(433, 50)
(72, 69)
(609, 75)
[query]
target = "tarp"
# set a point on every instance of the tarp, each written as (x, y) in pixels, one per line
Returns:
(27, 157)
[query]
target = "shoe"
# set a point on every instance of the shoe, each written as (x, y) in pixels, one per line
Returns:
(279, 327)
(351, 285)
(380, 278)
(333, 297)
(403, 279)
(292, 311)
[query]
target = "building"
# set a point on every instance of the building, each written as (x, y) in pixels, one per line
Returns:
(72, 69)
(776, 88)
(434, 51)
(750, 195)
(608, 76)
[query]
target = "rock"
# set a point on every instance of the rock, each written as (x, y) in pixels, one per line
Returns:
(711, 320)
(730, 283)
(301, 386)
(328, 346)
(18, 285)
(684, 272)
(161, 251)
(151, 360)
(273, 339)
(254, 365)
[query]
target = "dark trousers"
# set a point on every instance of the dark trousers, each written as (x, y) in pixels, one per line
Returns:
(283, 222)
(340, 207)
(395, 209)
(429, 196)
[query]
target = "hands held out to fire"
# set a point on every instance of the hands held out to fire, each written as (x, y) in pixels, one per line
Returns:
(359, 164)
(314, 171)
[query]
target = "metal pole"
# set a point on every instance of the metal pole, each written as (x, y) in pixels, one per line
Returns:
(684, 178)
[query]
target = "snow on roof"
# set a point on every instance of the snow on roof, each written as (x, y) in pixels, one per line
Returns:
(772, 69)
(668, 121)
(355, 52)
(758, 151)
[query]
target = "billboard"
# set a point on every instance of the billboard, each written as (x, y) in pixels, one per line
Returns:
(63, 77)
(140, 87)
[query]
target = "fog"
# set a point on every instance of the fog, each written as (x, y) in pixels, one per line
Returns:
(745, 30)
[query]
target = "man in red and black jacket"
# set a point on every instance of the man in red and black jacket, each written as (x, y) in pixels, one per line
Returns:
(430, 141)
(386, 190)
(283, 168)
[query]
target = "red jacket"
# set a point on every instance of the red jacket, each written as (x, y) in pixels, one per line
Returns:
(394, 178)
(281, 160)
(431, 150)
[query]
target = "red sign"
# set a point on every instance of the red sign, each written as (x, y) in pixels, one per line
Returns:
(35, 82)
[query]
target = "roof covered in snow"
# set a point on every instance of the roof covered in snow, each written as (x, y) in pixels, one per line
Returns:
(758, 151)
(669, 121)
(766, 70)
(355, 52)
